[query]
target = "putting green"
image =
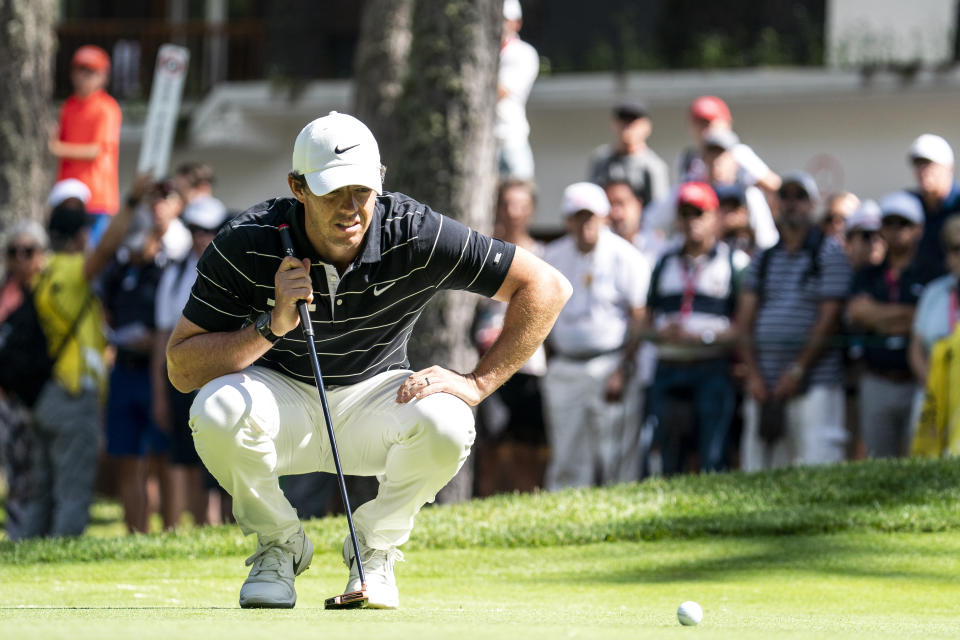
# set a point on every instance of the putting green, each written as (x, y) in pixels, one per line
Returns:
(842, 585)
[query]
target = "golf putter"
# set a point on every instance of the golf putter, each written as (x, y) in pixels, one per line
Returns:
(353, 599)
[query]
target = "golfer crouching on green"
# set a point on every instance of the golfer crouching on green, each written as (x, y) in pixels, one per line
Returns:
(369, 262)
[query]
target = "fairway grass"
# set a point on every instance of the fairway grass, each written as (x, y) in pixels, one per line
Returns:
(869, 585)
(865, 550)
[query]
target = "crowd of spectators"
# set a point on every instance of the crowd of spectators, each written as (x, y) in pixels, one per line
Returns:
(740, 319)
(730, 318)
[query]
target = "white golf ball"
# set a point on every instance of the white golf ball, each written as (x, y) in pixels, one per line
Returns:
(689, 613)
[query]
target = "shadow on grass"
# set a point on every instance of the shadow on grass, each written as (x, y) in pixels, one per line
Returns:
(908, 559)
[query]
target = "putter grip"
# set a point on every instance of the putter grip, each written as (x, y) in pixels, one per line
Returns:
(301, 304)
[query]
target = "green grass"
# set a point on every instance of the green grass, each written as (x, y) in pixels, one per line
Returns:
(863, 550)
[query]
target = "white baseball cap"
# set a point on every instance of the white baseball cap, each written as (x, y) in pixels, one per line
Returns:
(865, 218)
(205, 212)
(581, 196)
(932, 148)
(903, 204)
(66, 189)
(512, 10)
(336, 151)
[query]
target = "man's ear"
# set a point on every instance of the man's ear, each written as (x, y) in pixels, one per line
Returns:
(297, 189)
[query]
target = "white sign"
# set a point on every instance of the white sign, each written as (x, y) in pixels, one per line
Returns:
(161, 124)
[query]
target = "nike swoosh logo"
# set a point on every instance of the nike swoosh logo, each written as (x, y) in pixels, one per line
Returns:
(338, 150)
(378, 290)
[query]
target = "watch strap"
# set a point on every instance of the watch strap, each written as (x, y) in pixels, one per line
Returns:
(263, 328)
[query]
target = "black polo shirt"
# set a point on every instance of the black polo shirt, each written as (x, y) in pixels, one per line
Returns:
(888, 352)
(930, 255)
(363, 319)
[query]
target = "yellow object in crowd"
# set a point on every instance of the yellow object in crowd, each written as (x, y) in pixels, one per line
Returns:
(938, 428)
(62, 293)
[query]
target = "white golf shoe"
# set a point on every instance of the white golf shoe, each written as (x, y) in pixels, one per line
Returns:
(378, 569)
(275, 565)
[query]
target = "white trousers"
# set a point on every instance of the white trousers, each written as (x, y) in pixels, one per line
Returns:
(589, 436)
(256, 425)
(815, 432)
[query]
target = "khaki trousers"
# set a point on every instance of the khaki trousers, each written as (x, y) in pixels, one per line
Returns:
(256, 425)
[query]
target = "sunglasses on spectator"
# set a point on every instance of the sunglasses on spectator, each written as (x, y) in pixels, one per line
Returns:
(896, 222)
(834, 219)
(24, 252)
(952, 249)
(866, 236)
(794, 194)
(689, 211)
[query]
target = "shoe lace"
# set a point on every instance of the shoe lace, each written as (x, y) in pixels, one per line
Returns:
(271, 556)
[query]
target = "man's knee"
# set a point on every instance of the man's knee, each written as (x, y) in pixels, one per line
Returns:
(217, 411)
(447, 423)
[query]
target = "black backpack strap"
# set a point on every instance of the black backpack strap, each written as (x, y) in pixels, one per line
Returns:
(762, 269)
(653, 290)
(646, 194)
(55, 354)
(814, 245)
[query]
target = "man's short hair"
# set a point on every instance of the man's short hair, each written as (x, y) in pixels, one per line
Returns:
(196, 173)
(951, 226)
(618, 181)
(517, 183)
(66, 221)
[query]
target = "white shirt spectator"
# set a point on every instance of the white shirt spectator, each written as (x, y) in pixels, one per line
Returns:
(765, 233)
(750, 167)
(519, 66)
(608, 283)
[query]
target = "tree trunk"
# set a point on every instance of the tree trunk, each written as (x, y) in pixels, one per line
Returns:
(27, 47)
(381, 65)
(444, 118)
(441, 149)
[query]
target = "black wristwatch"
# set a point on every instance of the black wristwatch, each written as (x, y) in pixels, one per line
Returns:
(262, 325)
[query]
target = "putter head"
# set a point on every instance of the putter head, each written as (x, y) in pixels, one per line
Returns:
(351, 600)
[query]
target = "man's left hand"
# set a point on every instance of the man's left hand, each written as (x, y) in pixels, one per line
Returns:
(788, 385)
(436, 379)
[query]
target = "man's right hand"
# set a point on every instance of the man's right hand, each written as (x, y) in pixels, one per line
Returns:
(291, 284)
(756, 387)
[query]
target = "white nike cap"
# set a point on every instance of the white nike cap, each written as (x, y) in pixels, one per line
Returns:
(66, 189)
(205, 212)
(902, 204)
(584, 196)
(336, 151)
(933, 148)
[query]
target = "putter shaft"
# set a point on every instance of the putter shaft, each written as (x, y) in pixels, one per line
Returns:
(307, 327)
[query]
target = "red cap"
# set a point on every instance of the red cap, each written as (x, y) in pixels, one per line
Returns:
(710, 108)
(91, 57)
(697, 194)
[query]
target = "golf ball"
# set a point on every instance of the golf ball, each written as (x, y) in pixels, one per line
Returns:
(689, 613)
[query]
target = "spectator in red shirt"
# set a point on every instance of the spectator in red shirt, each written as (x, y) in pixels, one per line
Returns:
(87, 140)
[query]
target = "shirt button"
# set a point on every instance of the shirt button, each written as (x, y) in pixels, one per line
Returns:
(339, 302)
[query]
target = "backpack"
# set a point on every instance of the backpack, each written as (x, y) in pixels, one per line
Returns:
(26, 361)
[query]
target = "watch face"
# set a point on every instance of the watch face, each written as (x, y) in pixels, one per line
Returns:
(263, 323)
